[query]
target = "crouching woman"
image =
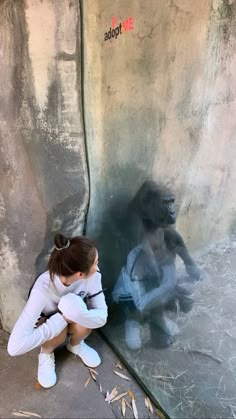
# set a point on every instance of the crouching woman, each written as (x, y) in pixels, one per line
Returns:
(65, 304)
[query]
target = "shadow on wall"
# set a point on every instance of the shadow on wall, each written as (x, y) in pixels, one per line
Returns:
(120, 227)
(66, 217)
(117, 234)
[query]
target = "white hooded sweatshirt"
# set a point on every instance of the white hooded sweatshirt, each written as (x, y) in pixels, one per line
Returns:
(48, 296)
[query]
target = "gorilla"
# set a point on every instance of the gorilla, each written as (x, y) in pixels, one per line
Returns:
(154, 206)
(147, 286)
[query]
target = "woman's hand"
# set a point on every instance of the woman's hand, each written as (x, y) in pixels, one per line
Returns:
(40, 321)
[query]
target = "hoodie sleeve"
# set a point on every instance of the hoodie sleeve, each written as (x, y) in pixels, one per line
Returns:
(74, 308)
(24, 337)
(97, 302)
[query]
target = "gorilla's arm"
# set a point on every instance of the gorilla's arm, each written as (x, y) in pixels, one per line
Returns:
(159, 297)
(176, 244)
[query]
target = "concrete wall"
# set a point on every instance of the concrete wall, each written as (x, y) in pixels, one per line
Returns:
(44, 180)
(160, 102)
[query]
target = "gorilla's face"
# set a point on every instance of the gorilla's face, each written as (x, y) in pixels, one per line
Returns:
(167, 210)
(162, 210)
(155, 205)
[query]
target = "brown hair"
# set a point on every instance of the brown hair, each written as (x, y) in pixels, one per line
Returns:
(71, 255)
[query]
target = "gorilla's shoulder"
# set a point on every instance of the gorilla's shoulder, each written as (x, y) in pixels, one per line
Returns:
(172, 237)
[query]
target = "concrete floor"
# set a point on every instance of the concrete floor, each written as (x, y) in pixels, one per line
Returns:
(69, 398)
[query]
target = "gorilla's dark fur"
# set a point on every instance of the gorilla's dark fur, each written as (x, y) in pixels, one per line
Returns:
(153, 208)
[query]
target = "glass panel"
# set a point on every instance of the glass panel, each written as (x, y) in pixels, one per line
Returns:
(194, 375)
(159, 87)
(172, 324)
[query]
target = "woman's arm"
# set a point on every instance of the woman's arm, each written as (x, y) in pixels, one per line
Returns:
(74, 308)
(158, 297)
(24, 337)
(98, 301)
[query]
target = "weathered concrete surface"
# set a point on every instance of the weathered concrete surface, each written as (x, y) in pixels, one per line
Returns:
(69, 398)
(44, 181)
(160, 103)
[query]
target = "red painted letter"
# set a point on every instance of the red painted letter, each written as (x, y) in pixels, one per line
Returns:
(131, 23)
(114, 22)
(125, 25)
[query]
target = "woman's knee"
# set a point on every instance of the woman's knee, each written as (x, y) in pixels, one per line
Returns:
(58, 340)
(75, 328)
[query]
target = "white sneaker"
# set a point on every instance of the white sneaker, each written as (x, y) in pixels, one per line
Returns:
(88, 355)
(46, 370)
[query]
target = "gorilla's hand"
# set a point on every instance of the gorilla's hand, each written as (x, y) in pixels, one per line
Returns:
(194, 272)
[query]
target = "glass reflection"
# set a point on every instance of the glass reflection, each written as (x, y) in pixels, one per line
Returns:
(147, 288)
(172, 322)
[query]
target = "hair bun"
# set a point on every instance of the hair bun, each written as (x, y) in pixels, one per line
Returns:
(60, 241)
